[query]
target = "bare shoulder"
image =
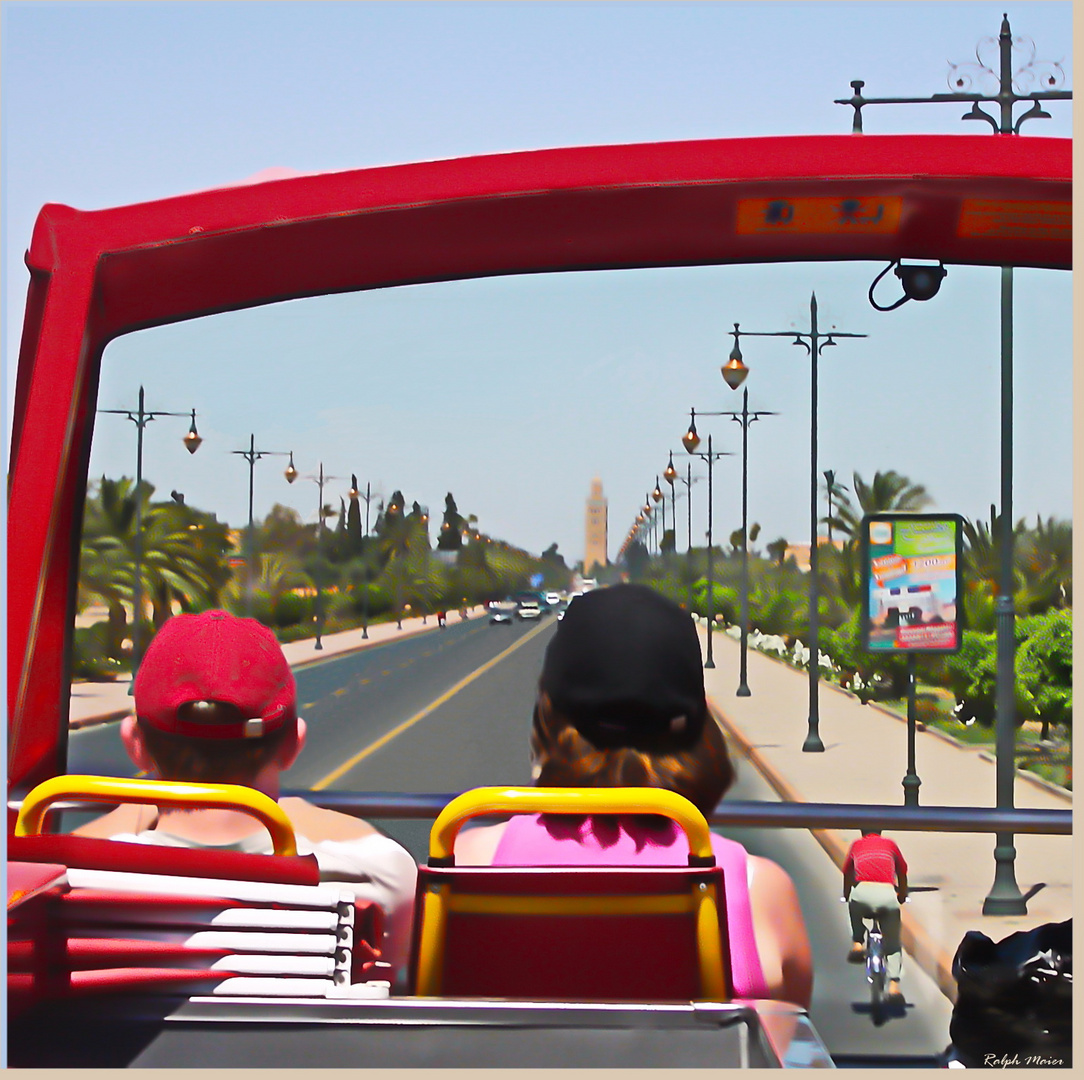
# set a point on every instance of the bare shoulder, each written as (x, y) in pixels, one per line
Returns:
(476, 847)
(775, 899)
(315, 823)
(769, 879)
(782, 939)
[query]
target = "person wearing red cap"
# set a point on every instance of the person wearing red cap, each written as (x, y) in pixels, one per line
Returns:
(216, 702)
(621, 703)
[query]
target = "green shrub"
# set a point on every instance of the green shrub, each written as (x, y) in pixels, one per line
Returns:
(1044, 667)
(90, 654)
(351, 602)
(290, 609)
(784, 612)
(726, 602)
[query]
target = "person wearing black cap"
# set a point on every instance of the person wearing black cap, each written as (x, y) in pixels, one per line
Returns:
(621, 703)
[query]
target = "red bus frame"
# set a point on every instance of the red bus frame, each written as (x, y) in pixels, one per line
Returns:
(983, 200)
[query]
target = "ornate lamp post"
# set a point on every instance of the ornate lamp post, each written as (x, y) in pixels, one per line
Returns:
(734, 372)
(141, 418)
(690, 440)
(656, 496)
(252, 455)
(814, 343)
(1004, 897)
(672, 476)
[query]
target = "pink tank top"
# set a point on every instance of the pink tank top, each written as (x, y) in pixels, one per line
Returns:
(607, 841)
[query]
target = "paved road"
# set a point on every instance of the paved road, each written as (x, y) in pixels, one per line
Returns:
(445, 710)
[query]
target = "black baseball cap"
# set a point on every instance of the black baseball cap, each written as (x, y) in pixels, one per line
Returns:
(625, 667)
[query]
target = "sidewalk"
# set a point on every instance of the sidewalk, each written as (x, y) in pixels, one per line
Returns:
(96, 703)
(864, 760)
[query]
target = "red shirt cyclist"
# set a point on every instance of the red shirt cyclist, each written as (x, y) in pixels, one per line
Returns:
(875, 884)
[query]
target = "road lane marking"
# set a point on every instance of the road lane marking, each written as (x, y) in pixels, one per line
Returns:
(360, 756)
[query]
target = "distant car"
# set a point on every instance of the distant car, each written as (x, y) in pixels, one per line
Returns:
(529, 609)
(501, 612)
(553, 598)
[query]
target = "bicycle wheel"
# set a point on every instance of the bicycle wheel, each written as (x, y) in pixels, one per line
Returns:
(876, 975)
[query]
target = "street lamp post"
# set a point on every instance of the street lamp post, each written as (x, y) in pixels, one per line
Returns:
(734, 372)
(657, 496)
(690, 440)
(1004, 897)
(812, 342)
(320, 479)
(252, 455)
(673, 476)
(141, 418)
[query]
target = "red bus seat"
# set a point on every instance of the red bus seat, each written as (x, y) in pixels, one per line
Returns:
(87, 915)
(577, 933)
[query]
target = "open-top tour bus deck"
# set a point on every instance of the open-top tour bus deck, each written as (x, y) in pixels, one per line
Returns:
(977, 200)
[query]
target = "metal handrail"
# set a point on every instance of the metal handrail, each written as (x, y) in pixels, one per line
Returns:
(784, 815)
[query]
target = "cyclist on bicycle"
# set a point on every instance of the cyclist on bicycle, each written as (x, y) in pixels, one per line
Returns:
(874, 886)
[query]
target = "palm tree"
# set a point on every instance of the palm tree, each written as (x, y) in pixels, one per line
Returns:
(777, 550)
(889, 492)
(982, 571)
(277, 573)
(184, 560)
(106, 559)
(1045, 555)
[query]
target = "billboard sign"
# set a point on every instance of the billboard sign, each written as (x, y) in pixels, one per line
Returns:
(911, 583)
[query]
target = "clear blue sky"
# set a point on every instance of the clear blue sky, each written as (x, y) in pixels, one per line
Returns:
(514, 392)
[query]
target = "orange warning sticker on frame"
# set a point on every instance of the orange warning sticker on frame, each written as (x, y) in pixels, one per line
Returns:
(997, 219)
(819, 214)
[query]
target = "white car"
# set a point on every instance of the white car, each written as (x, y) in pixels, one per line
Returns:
(501, 611)
(553, 598)
(529, 609)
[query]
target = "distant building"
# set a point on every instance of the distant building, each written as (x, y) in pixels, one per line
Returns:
(800, 552)
(594, 548)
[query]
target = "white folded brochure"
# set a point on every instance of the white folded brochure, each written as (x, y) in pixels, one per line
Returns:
(225, 917)
(325, 895)
(256, 964)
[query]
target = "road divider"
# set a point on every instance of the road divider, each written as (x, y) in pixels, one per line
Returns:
(395, 732)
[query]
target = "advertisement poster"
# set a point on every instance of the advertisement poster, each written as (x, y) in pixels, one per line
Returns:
(911, 567)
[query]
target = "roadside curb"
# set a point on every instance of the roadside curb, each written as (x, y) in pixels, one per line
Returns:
(100, 718)
(1023, 774)
(927, 953)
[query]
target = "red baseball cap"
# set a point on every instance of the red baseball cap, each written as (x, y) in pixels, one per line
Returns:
(215, 656)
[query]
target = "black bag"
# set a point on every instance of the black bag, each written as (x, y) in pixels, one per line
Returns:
(1014, 999)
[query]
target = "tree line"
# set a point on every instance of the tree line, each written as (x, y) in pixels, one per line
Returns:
(333, 572)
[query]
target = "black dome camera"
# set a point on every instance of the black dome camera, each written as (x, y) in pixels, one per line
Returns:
(919, 283)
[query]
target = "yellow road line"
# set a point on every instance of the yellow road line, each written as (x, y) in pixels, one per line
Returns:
(346, 766)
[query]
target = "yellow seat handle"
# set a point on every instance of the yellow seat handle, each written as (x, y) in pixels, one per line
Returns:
(552, 800)
(105, 789)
